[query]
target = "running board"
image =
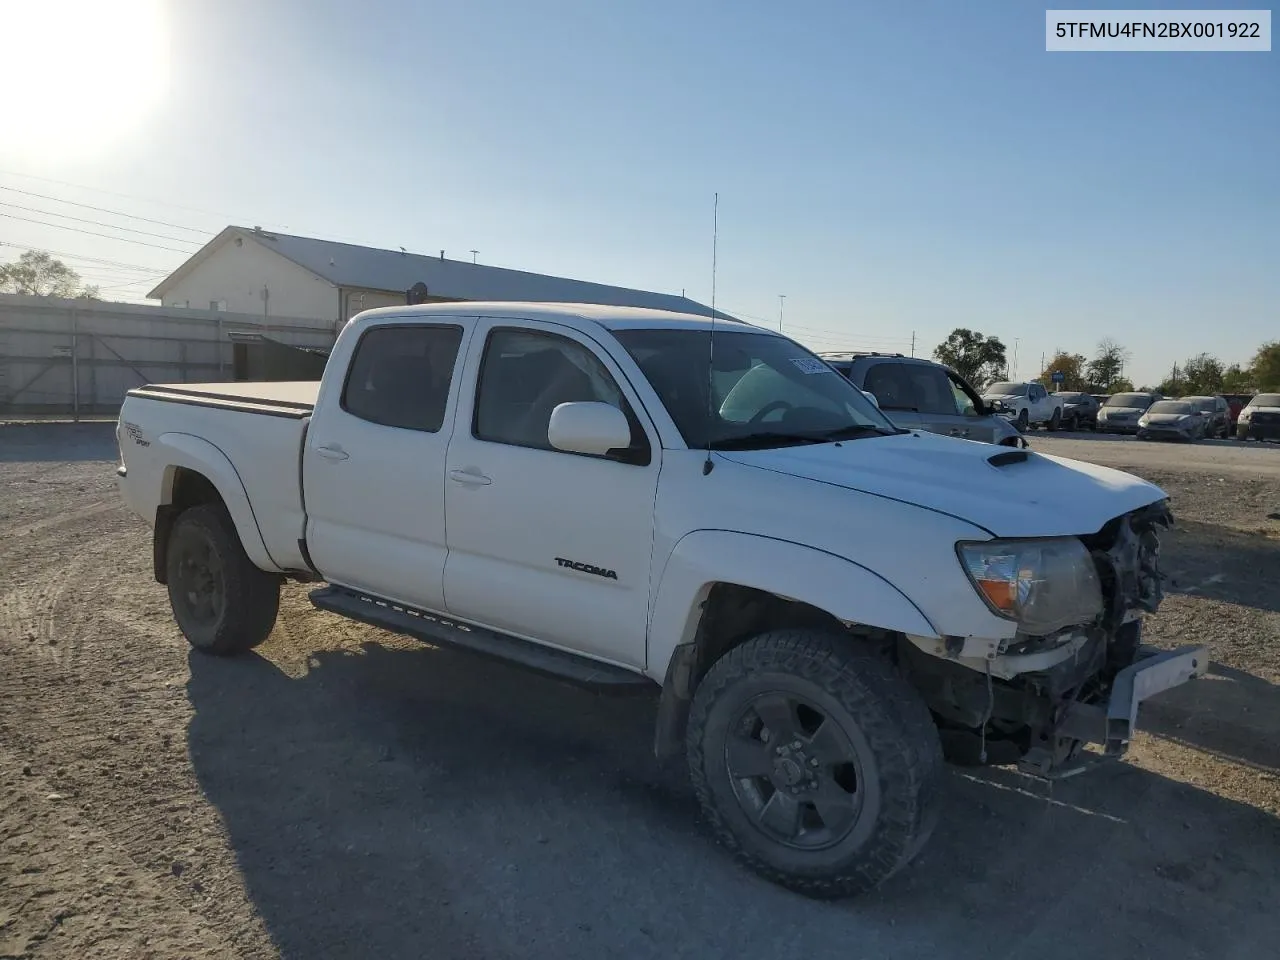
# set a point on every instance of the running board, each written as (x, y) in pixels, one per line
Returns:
(443, 631)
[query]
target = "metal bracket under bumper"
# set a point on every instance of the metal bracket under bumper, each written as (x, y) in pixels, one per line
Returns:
(1154, 672)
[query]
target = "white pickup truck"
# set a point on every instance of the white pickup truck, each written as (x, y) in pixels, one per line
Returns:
(636, 501)
(1026, 404)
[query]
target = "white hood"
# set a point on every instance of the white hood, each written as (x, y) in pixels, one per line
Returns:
(1039, 496)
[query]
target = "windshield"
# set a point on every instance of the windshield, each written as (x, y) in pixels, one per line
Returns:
(1139, 400)
(1201, 403)
(1007, 390)
(1171, 406)
(765, 390)
(1266, 400)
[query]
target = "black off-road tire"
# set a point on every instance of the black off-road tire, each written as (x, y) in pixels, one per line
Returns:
(1071, 424)
(243, 602)
(887, 724)
(1055, 420)
(1023, 423)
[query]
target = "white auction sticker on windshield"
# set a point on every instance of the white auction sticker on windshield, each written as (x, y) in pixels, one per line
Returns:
(811, 365)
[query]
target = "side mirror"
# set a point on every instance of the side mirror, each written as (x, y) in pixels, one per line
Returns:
(872, 397)
(588, 427)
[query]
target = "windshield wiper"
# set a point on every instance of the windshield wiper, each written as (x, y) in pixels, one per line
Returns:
(855, 430)
(764, 439)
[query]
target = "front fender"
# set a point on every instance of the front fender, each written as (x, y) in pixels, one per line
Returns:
(847, 591)
(195, 453)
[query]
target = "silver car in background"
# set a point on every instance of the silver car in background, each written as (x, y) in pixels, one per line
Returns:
(1173, 420)
(918, 394)
(1121, 412)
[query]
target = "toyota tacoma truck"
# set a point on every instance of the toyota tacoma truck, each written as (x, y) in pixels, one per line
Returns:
(823, 604)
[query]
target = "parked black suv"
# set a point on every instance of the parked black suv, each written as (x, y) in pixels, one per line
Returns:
(918, 394)
(1079, 410)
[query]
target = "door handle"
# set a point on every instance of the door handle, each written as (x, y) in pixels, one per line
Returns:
(331, 451)
(959, 432)
(469, 477)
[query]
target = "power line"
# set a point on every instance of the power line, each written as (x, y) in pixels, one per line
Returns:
(96, 223)
(125, 196)
(91, 233)
(90, 206)
(77, 256)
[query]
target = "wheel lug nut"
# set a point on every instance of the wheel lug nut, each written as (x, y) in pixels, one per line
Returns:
(813, 762)
(778, 751)
(795, 745)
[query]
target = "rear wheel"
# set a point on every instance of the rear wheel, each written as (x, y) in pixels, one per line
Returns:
(1055, 421)
(815, 762)
(223, 604)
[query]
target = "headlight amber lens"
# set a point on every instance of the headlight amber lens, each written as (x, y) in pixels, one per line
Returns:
(1044, 585)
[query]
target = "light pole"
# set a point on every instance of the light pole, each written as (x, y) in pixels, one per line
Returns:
(473, 255)
(781, 299)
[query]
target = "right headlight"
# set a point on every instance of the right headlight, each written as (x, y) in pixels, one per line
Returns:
(1244, 416)
(1044, 585)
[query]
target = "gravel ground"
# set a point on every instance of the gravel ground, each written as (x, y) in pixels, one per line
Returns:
(347, 793)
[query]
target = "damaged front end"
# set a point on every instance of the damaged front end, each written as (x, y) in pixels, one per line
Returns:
(1035, 700)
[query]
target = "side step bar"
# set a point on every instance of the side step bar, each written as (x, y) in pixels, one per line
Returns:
(442, 631)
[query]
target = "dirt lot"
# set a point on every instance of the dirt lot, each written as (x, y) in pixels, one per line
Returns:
(350, 794)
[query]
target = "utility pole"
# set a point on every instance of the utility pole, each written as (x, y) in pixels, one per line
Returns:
(473, 255)
(913, 343)
(1011, 374)
(781, 298)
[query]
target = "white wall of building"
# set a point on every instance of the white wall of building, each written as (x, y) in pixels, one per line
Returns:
(235, 275)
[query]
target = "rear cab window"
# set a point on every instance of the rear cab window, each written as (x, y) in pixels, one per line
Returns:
(400, 375)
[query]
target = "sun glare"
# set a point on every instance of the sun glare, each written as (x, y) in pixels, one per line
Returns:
(79, 73)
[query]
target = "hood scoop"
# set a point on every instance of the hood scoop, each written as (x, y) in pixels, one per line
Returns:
(1006, 457)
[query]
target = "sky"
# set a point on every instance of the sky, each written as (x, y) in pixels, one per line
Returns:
(896, 170)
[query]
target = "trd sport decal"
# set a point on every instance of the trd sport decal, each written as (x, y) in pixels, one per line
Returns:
(587, 568)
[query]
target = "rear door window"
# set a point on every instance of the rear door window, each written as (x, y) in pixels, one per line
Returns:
(400, 375)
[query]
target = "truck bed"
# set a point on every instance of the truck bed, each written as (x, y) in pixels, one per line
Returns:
(246, 437)
(282, 399)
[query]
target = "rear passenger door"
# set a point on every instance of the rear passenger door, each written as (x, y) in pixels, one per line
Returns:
(373, 462)
(887, 380)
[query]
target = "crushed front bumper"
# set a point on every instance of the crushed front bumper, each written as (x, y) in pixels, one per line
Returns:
(1112, 724)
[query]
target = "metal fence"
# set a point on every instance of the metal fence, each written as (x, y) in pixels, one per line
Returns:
(79, 357)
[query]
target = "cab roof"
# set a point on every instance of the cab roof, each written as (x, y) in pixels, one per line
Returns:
(611, 318)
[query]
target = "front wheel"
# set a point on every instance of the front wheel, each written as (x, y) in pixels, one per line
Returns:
(815, 762)
(224, 605)
(1023, 421)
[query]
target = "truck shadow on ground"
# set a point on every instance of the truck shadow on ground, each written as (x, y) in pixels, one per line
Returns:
(1214, 562)
(403, 802)
(37, 442)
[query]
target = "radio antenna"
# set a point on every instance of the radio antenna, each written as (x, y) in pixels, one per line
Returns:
(708, 465)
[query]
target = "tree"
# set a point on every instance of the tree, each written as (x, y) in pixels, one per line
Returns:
(1264, 371)
(1071, 366)
(1236, 380)
(1202, 374)
(1105, 367)
(978, 358)
(38, 274)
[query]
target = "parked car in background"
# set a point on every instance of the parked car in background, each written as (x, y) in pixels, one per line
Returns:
(918, 394)
(1218, 413)
(1173, 420)
(1079, 410)
(1237, 402)
(1121, 412)
(1260, 419)
(1026, 404)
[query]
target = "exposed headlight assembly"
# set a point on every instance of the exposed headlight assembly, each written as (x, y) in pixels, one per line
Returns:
(1044, 585)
